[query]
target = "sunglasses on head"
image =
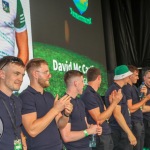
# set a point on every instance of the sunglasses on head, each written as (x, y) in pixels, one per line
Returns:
(12, 60)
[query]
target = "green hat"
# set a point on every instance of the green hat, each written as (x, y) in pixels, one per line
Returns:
(122, 72)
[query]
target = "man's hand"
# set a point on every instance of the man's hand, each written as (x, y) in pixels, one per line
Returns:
(132, 139)
(68, 108)
(115, 96)
(143, 90)
(99, 129)
(24, 143)
(94, 129)
(59, 105)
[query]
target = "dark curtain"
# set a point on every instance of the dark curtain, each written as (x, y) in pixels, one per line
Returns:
(144, 35)
(131, 31)
(126, 52)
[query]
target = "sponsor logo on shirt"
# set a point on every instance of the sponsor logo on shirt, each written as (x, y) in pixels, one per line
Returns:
(5, 5)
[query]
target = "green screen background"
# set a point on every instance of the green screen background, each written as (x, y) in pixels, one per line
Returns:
(49, 53)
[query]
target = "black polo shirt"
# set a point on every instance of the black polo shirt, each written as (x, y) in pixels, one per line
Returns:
(124, 108)
(93, 100)
(33, 101)
(8, 136)
(132, 92)
(147, 114)
(77, 120)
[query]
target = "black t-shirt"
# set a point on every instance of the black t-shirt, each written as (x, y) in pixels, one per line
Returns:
(132, 92)
(78, 123)
(124, 108)
(147, 114)
(8, 136)
(93, 100)
(33, 101)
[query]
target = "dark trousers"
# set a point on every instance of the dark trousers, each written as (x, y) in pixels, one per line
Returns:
(147, 133)
(104, 142)
(138, 131)
(120, 140)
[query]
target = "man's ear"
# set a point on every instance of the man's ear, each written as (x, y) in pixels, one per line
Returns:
(99, 77)
(75, 83)
(2, 74)
(34, 74)
(130, 76)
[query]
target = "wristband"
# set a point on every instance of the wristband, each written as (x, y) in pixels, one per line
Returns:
(86, 133)
(66, 115)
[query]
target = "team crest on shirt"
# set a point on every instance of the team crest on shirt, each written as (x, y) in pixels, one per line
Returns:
(5, 5)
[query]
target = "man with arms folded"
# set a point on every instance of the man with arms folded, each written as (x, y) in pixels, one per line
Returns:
(41, 114)
(120, 121)
(77, 131)
(96, 110)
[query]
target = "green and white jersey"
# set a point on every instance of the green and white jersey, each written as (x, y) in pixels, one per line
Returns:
(11, 20)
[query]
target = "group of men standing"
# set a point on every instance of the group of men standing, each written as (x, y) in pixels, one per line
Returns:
(35, 120)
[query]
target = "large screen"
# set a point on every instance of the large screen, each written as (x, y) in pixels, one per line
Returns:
(68, 34)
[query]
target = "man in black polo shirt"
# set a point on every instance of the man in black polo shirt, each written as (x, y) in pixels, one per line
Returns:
(41, 112)
(95, 108)
(11, 77)
(75, 134)
(135, 107)
(146, 111)
(120, 121)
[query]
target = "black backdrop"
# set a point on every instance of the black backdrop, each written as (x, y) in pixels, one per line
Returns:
(128, 39)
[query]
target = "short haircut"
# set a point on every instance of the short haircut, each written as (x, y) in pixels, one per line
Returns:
(133, 68)
(70, 74)
(6, 60)
(93, 73)
(35, 63)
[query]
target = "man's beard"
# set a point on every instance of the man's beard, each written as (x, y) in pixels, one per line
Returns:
(44, 83)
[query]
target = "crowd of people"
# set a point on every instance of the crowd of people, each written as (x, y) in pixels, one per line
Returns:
(36, 120)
